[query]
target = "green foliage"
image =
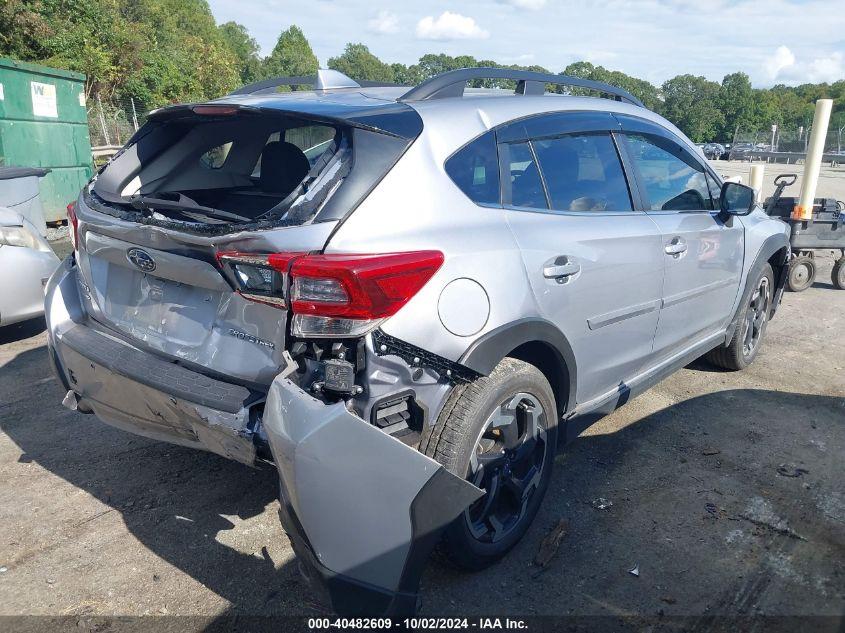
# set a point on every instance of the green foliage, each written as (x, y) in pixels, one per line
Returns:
(692, 103)
(157, 51)
(643, 90)
(359, 63)
(245, 50)
(737, 103)
(292, 56)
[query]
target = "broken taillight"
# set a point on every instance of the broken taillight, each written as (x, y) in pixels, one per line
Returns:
(260, 278)
(334, 295)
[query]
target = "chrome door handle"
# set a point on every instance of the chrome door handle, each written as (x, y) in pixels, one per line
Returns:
(561, 267)
(676, 247)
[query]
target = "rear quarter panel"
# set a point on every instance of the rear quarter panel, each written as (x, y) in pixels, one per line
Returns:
(418, 207)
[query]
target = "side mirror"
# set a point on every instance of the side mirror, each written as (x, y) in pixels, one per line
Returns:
(736, 199)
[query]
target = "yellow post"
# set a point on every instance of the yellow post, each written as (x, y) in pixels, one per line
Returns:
(755, 181)
(813, 162)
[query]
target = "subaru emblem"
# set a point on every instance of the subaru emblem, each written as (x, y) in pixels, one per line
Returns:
(141, 259)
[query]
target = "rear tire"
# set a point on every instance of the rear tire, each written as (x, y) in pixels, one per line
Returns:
(748, 338)
(500, 433)
(802, 273)
(837, 275)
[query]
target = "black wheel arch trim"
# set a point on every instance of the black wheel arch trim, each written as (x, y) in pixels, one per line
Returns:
(488, 350)
(770, 246)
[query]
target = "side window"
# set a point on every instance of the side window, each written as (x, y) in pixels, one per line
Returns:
(526, 188)
(216, 156)
(475, 170)
(673, 179)
(313, 140)
(583, 173)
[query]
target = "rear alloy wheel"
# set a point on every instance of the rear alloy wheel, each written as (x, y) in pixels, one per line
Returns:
(508, 462)
(837, 275)
(802, 273)
(500, 433)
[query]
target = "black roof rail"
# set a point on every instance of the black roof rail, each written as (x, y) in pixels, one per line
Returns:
(323, 80)
(452, 83)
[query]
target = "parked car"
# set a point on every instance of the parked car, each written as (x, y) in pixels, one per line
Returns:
(741, 151)
(406, 324)
(713, 151)
(26, 263)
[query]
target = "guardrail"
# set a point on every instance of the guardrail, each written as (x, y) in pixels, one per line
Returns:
(788, 157)
(104, 151)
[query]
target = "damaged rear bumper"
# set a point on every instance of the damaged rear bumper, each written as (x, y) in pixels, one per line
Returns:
(137, 391)
(362, 509)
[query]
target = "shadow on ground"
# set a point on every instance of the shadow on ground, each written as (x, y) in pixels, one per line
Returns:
(688, 486)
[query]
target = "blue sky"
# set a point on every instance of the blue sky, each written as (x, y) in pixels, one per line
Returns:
(774, 41)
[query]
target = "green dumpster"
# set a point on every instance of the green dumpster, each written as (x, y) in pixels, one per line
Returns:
(43, 123)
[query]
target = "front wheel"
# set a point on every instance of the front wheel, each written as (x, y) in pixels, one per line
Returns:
(748, 338)
(500, 433)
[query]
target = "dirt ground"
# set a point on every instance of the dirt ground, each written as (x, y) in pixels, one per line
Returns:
(725, 491)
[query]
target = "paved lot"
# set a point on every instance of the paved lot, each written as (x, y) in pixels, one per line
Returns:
(726, 492)
(831, 179)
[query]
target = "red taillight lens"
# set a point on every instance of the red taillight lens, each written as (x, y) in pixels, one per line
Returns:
(333, 295)
(73, 225)
(359, 286)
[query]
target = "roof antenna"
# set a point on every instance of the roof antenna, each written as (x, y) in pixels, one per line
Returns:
(328, 79)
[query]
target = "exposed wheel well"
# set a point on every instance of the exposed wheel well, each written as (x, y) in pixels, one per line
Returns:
(778, 259)
(548, 360)
(780, 265)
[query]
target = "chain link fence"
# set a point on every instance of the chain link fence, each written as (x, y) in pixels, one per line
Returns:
(790, 140)
(112, 123)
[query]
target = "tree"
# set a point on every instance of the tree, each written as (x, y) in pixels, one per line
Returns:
(736, 99)
(359, 63)
(692, 103)
(292, 56)
(643, 90)
(245, 50)
(406, 75)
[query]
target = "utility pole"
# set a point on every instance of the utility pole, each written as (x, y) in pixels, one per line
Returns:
(134, 114)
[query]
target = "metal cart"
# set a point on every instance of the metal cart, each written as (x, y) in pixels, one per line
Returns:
(825, 231)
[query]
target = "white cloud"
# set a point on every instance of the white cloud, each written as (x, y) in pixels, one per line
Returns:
(783, 67)
(827, 69)
(384, 22)
(450, 26)
(782, 59)
(531, 5)
(678, 33)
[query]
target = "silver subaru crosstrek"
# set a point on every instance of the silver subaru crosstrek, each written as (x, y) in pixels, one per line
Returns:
(403, 299)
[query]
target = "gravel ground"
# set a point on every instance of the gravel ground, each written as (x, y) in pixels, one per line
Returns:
(725, 493)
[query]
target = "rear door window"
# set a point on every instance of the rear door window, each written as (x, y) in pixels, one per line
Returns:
(583, 172)
(475, 169)
(672, 178)
(311, 139)
(526, 187)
